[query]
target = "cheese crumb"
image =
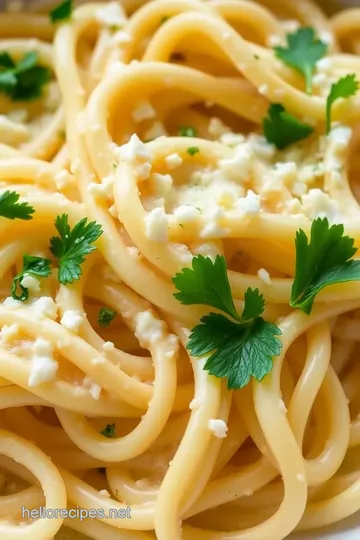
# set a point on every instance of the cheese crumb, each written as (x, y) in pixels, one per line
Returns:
(173, 161)
(250, 204)
(161, 183)
(143, 111)
(156, 225)
(217, 127)
(111, 15)
(239, 166)
(31, 283)
(45, 307)
(186, 213)
(108, 346)
(44, 367)
(136, 150)
(103, 190)
(218, 427)
(72, 320)
(148, 329)
(264, 276)
(94, 389)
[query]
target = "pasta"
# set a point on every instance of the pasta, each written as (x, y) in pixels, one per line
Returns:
(143, 147)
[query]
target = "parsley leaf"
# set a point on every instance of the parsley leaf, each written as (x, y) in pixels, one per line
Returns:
(32, 266)
(10, 208)
(324, 261)
(187, 131)
(72, 245)
(302, 52)
(24, 80)
(240, 350)
(62, 11)
(345, 87)
(205, 283)
(192, 150)
(282, 128)
(109, 431)
(106, 315)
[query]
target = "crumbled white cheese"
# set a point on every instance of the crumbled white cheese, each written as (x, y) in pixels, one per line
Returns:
(286, 172)
(72, 320)
(232, 139)
(156, 225)
(161, 183)
(217, 127)
(239, 166)
(173, 161)
(10, 302)
(274, 40)
(316, 204)
(326, 37)
(227, 199)
(186, 213)
(263, 89)
(340, 137)
(143, 111)
(31, 283)
(112, 14)
(94, 389)
(43, 365)
(62, 179)
(113, 211)
(218, 427)
(148, 329)
(45, 307)
(324, 64)
(103, 190)
(264, 276)
(136, 150)
(121, 37)
(9, 332)
(320, 81)
(290, 25)
(250, 204)
(195, 404)
(108, 346)
(155, 131)
(261, 147)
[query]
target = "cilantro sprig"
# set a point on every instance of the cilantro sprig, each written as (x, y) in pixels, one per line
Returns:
(345, 87)
(24, 80)
(322, 261)
(62, 11)
(282, 128)
(32, 266)
(109, 431)
(241, 348)
(105, 316)
(72, 245)
(10, 208)
(302, 52)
